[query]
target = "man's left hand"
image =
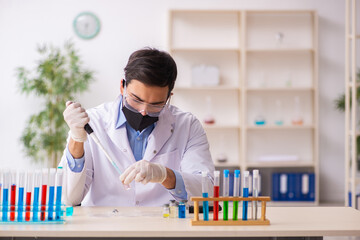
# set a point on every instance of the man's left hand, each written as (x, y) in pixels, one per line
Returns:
(144, 171)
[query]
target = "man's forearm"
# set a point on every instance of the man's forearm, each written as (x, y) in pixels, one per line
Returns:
(76, 149)
(170, 181)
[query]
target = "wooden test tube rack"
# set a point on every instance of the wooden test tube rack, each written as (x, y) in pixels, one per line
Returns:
(262, 221)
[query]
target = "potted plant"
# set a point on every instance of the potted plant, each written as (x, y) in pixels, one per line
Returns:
(340, 105)
(57, 77)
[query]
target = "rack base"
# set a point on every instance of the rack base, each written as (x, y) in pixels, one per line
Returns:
(229, 222)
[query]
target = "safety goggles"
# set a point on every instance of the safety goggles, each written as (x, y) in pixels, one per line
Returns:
(137, 106)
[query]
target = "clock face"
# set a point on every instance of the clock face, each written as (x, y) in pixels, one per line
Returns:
(86, 25)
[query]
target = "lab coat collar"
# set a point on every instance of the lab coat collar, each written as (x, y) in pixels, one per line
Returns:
(161, 133)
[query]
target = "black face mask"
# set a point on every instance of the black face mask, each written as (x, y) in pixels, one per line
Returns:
(137, 121)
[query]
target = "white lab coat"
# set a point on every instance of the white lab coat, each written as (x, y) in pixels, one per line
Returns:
(178, 142)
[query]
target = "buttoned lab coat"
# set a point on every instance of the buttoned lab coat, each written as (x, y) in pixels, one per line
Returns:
(178, 142)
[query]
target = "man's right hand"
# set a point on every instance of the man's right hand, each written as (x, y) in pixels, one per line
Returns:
(76, 117)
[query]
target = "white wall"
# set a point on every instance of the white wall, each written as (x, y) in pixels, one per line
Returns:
(128, 25)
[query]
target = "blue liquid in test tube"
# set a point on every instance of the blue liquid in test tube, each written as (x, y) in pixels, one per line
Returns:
(1, 183)
(37, 180)
(51, 194)
(5, 205)
(205, 194)
(21, 196)
(245, 194)
(59, 181)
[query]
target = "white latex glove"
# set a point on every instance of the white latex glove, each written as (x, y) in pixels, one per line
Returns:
(144, 171)
(76, 117)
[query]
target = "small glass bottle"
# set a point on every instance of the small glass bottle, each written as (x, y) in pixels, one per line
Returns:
(173, 209)
(182, 210)
(166, 210)
(278, 113)
(186, 206)
(209, 117)
(221, 156)
(279, 37)
(297, 119)
(259, 118)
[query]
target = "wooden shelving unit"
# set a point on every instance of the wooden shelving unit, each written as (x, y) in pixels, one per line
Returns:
(266, 56)
(352, 175)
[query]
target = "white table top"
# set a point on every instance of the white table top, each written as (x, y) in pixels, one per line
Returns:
(148, 222)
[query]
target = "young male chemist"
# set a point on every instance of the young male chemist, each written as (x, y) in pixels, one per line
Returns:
(159, 149)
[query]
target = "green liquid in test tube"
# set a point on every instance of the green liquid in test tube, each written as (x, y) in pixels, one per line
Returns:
(226, 194)
(236, 193)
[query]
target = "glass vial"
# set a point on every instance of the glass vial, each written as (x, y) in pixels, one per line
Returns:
(297, 119)
(221, 156)
(173, 209)
(182, 210)
(166, 210)
(259, 118)
(279, 39)
(209, 117)
(279, 120)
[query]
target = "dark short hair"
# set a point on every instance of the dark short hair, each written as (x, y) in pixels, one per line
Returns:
(152, 67)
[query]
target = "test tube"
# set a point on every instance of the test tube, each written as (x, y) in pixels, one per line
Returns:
(5, 203)
(245, 194)
(29, 183)
(37, 183)
(255, 187)
(1, 183)
(226, 194)
(236, 193)
(59, 182)
(21, 196)
(51, 194)
(216, 194)
(205, 194)
(13, 196)
(44, 182)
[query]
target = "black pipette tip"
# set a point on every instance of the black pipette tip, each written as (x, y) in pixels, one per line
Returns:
(88, 129)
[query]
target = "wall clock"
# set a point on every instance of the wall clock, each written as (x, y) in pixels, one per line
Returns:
(86, 25)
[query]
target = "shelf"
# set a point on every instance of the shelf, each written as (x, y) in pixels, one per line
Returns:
(357, 180)
(207, 88)
(280, 89)
(357, 133)
(215, 126)
(280, 11)
(356, 37)
(291, 204)
(280, 164)
(280, 50)
(204, 49)
(285, 127)
(356, 85)
(227, 164)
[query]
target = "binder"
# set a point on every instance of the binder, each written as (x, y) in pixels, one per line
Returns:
(305, 187)
(284, 186)
(311, 187)
(291, 180)
(275, 196)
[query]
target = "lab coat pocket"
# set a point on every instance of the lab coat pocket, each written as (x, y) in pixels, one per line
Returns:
(170, 160)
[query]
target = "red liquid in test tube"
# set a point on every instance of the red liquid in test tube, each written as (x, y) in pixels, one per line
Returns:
(216, 203)
(12, 202)
(45, 176)
(216, 194)
(28, 206)
(43, 202)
